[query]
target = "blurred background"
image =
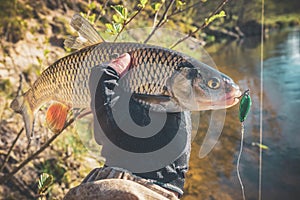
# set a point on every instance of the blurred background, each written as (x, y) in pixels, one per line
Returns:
(31, 38)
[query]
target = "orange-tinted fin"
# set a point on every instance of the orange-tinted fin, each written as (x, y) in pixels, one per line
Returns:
(56, 116)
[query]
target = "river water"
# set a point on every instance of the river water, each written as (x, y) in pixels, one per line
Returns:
(214, 176)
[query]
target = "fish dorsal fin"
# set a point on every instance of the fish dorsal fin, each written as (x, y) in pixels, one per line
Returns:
(85, 29)
(87, 33)
(74, 42)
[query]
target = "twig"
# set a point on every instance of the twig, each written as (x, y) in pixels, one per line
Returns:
(156, 15)
(19, 91)
(161, 22)
(89, 11)
(6, 177)
(205, 24)
(10, 149)
(127, 22)
(88, 112)
(104, 7)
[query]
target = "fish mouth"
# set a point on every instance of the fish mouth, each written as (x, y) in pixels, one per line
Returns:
(228, 101)
(232, 98)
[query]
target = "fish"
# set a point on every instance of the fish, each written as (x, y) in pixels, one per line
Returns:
(159, 77)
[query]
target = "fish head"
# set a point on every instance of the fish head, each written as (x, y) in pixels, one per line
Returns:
(197, 86)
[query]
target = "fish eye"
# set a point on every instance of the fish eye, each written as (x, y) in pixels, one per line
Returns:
(213, 83)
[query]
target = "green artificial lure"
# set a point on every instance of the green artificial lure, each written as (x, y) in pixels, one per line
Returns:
(245, 104)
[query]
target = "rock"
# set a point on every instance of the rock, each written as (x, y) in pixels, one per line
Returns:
(112, 189)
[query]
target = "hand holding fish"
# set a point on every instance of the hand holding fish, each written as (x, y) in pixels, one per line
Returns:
(121, 64)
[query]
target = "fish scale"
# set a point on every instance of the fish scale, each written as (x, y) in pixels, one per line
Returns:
(153, 81)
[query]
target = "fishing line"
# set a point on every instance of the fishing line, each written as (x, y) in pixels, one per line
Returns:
(245, 105)
(261, 98)
(238, 161)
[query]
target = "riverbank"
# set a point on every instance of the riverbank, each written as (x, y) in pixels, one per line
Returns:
(32, 38)
(251, 28)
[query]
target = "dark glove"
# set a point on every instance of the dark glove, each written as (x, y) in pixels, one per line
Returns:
(105, 102)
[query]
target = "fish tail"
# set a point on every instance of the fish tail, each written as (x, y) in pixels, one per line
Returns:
(21, 105)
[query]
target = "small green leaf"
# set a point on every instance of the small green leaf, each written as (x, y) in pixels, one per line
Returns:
(102, 10)
(143, 2)
(117, 27)
(46, 52)
(113, 28)
(262, 146)
(125, 14)
(83, 14)
(214, 17)
(109, 28)
(92, 5)
(92, 18)
(121, 11)
(117, 19)
(180, 4)
(156, 6)
(222, 13)
(44, 182)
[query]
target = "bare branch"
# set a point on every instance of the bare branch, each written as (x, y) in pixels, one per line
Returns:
(104, 7)
(156, 15)
(89, 11)
(10, 149)
(6, 177)
(19, 91)
(127, 22)
(161, 22)
(220, 6)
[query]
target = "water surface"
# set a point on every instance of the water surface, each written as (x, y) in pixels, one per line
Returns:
(214, 177)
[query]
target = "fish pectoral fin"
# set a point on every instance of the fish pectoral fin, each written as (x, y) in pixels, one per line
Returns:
(85, 30)
(56, 116)
(152, 98)
(159, 103)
